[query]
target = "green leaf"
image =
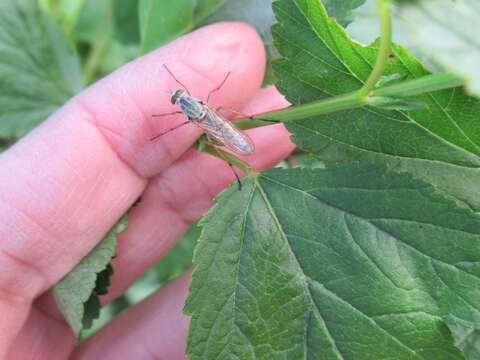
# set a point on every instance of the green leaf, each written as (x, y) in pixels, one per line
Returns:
(445, 31)
(466, 337)
(38, 72)
(77, 294)
(349, 262)
(163, 21)
(439, 143)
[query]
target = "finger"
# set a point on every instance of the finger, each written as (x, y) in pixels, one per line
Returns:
(183, 193)
(42, 337)
(154, 329)
(80, 170)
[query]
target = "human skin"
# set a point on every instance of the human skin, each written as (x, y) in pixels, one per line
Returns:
(67, 182)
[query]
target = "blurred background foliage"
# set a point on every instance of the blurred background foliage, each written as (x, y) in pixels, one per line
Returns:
(51, 49)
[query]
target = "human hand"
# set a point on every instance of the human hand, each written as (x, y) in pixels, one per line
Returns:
(65, 184)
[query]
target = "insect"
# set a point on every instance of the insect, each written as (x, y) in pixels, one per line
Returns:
(215, 126)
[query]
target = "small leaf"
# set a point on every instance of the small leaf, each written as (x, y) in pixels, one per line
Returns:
(77, 293)
(38, 72)
(163, 21)
(349, 262)
(445, 31)
(439, 143)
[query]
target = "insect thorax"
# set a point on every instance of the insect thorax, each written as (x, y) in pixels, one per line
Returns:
(191, 107)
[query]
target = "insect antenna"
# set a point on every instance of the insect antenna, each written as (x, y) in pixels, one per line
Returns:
(167, 114)
(166, 132)
(218, 87)
(178, 81)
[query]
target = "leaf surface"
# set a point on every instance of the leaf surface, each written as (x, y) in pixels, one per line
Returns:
(38, 71)
(350, 262)
(77, 293)
(439, 143)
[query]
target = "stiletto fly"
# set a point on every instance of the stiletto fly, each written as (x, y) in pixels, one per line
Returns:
(215, 126)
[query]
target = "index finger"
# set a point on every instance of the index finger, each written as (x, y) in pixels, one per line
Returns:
(66, 183)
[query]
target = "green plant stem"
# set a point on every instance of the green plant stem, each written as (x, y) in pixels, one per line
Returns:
(426, 84)
(384, 49)
(423, 85)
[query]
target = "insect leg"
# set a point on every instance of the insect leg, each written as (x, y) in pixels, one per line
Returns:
(251, 117)
(218, 87)
(220, 153)
(174, 128)
(172, 113)
(236, 176)
(178, 81)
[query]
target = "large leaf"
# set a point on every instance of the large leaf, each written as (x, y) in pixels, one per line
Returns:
(38, 72)
(351, 262)
(439, 143)
(446, 31)
(77, 294)
(163, 21)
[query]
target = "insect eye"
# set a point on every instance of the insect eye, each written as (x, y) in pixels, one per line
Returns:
(175, 96)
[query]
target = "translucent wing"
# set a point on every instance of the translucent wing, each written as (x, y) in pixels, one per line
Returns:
(225, 132)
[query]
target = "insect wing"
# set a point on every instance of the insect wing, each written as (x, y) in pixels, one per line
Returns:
(225, 132)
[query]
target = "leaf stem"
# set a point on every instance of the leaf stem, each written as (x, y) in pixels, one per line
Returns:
(426, 84)
(384, 49)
